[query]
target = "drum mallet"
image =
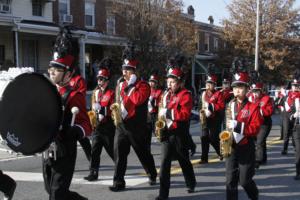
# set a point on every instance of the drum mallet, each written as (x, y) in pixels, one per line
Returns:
(75, 111)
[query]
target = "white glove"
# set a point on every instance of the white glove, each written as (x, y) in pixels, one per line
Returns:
(281, 108)
(207, 113)
(100, 117)
(232, 124)
(132, 79)
(296, 115)
(162, 112)
(96, 106)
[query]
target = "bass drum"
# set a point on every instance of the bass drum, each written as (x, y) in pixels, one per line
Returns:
(30, 113)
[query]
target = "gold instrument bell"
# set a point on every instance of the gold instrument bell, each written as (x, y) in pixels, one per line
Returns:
(93, 118)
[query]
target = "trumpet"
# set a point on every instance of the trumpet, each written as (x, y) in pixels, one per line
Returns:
(226, 136)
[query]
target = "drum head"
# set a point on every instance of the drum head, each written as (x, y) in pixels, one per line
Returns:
(30, 113)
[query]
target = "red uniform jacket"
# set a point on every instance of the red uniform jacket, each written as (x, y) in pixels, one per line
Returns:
(265, 103)
(133, 97)
(290, 100)
(154, 100)
(77, 83)
(105, 99)
(76, 99)
(249, 119)
(215, 102)
(179, 107)
(227, 95)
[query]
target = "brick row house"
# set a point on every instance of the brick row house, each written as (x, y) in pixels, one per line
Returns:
(28, 29)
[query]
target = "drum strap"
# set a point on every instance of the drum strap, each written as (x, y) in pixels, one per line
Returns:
(64, 99)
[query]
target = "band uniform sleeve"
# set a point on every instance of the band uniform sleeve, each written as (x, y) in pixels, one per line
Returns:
(251, 128)
(81, 120)
(140, 94)
(266, 106)
(218, 102)
(183, 111)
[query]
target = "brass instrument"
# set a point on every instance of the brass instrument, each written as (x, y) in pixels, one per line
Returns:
(115, 108)
(160, 124)
(93, 118)
(202, 116)
(226, 136)
(93, 115)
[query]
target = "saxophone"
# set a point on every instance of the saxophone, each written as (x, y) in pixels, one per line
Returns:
(92, 113)
(115, 108)
(160, 124)
(202, 116)
(226, 136)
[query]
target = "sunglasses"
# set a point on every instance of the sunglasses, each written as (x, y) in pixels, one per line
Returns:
(102, 79)
(55, 70)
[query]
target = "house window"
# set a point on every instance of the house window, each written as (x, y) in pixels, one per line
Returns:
(5, 6)
(37, 8)
(2, 54)
(89, 14)
(111, 25)
(30, 53)
(216, 43)
(64, 9)
(206, 42)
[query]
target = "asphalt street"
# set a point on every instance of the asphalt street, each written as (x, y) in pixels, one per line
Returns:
(275, 179)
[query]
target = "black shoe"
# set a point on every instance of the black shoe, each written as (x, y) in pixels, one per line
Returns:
(93, 176)
(161, 198)
(117, 187)
(9, 194)
(203, 162)
(297, 177)
(257, 164)
(152, 181)
(283, 152)
(191, 189)
(221, 158)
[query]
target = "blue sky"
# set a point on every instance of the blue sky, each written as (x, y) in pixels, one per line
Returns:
(216, 8)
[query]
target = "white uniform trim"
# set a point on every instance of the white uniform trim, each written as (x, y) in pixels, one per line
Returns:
(82, 129)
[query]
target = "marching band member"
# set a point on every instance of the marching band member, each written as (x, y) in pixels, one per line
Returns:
(227, 94)
(288, 123)
(177, 106)
(77, 82)
(279, 104)
(211, 104)
(153, 102)
(7, 186)
(134, 94)
(102, 98)
(58, 171)
(295, 120)
(266, 108)
(245, 121)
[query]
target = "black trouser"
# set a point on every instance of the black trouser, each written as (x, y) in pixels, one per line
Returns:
(261, 138)
(297, 147)
(132, 133)
(175, 145)
(102, 137)
(210, 135)
(6, 183)
(240, 167)
(58, 173)
(151, 128)
(86, 146)
(287, 130)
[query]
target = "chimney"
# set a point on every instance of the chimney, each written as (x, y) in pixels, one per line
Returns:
(211, 19)
(191, 10)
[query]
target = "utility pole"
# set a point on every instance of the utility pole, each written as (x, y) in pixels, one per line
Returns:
(257, 34)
